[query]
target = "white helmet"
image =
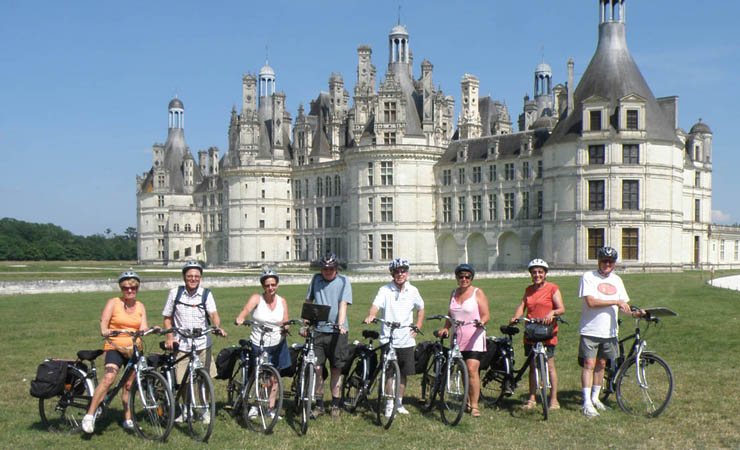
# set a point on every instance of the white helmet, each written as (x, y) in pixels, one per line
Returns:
(538, 263)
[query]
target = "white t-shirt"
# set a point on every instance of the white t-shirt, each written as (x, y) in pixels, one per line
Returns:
(271, 318)
(398, 306)
(601, 321)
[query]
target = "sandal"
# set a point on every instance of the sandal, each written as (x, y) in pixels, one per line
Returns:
(554, 406)
(531, 404)
(468, 408)
(475, 412)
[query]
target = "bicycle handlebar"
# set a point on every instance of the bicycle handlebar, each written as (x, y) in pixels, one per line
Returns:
(541, 320)
(395, 325)
(458, 323)
(134, 334)
(192, 333)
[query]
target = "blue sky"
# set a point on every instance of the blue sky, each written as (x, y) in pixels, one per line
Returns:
(84, 85)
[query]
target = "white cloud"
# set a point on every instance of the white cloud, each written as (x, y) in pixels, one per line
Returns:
(721, 217)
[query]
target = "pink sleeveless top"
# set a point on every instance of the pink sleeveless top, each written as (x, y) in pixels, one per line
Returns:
(469, 337)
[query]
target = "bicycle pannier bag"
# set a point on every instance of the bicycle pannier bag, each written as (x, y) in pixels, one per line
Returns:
(491, 349)
(51, 376)
(422, 352)
(225, 362)
(538, 332)
(290, 371)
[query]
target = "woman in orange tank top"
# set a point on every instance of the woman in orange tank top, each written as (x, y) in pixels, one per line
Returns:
(119, 313)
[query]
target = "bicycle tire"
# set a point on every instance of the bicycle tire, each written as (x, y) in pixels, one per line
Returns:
(153, 417)
(430, 382)
(389, 388)
(492, 386)
(304, 397)
(235, 388)
(63, 412)
(649, 400)
(256, 411)
(454, 393)
(201, 408)
(541, 380)
(353, 384)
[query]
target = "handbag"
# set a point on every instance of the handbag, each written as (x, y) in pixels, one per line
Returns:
(127, 351)
(538, 332)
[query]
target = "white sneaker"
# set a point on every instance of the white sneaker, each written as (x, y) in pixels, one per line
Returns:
(252, 412)
(272, 415)
(88, 424)
(598, 405)
(180, 418)
(388, 409)
(402, 410)
(590, 411)
(128, 425)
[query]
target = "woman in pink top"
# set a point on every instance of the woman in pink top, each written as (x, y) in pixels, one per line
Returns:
(468, 303)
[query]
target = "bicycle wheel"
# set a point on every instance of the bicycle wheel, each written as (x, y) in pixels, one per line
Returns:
(541, 380)
(492, 386)
(259, 411)
(389, 388)
(63, 412)
(201, 406)
(151, 406)
(430, 382)
(304, 396)
(648, 392)
(352, 388)
(454, 392)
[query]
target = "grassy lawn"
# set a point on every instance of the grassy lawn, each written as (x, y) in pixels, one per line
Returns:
(704, 412)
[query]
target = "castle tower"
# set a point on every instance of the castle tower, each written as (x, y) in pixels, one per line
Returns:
(398, 46)
(267, 81)
(249, 92)
(470, 124)
(543, 89)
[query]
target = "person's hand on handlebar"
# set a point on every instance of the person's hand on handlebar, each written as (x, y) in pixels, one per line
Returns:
(444, 332)
(369, 319)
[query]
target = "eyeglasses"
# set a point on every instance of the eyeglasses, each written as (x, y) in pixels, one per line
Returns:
(464, 277)
(130, 288)
(269, 285)
(399, 271)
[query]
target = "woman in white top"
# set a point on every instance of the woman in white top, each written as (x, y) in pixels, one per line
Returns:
(270, 310)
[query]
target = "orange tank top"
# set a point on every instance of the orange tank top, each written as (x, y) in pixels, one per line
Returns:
(121, 320)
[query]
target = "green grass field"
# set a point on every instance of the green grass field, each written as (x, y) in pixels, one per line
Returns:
(698, 345)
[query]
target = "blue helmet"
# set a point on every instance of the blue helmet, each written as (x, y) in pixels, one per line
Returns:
(465, 268)
(398, 263)
(269, 273)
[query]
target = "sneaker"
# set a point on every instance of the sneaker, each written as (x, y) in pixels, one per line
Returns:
(272, 415)
(335, 412)
(88, 424)
(589, 411)
(128, 425)
(402, 410)
(317, 411)
(206, 419)
(180, 418)
(598, 405)
(388, 409)
(252, 412)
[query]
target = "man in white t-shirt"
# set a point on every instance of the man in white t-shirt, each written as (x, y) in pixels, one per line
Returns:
(602, 296)
(398, 299)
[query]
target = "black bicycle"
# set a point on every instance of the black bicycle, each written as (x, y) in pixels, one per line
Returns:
(641, 380)
(446, 375)
(195, 393)
(365, 374)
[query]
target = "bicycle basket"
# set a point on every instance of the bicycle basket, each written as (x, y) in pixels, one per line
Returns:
(538, 332)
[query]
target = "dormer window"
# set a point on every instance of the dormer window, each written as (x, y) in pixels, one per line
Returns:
(594, 120)
(632, 122)
(631, 114)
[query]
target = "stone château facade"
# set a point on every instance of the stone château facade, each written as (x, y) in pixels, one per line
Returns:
(387, 173)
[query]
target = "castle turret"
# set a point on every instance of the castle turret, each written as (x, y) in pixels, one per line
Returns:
(469, 123)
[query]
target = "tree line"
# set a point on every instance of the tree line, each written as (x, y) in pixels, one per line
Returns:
(25, 241)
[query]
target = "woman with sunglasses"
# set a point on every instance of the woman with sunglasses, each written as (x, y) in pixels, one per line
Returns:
(468, 303)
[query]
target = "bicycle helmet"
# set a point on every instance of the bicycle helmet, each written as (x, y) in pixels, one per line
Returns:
(328, 260)
(398, 263)
(192, 265)
(269, 273)
(608, 252)
(128, 275)
(538, 263)
(465, 268)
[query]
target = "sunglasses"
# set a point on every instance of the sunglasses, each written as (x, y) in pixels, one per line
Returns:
(129, 288)
(464, 277)
(399, 271)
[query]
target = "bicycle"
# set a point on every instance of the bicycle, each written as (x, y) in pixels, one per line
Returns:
(501, 377)
(641, 380)
(364, 372)
(152, 420)
(195, 394)
(258, 396)
(446, 375)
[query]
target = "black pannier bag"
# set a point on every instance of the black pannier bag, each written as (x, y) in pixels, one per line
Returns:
(51, 377)
(225, 362)
(290, 371)
(491, 350)
(422, 352)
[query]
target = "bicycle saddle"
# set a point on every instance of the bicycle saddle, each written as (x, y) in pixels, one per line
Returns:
(89, 355)
(510, 330)
(370, 334)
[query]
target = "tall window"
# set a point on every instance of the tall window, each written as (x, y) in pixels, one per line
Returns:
(386, 209)
(595, 154)
(477, 208)
(386, 246)
(370, 173)
(337, 216)
(540, 204)
(446, 209)
(630, 154)
(220, 222)
(595, 120)
(525, 170)
(509, 206)
(327, 217)
(509, 171)
(476, 174)
(595, 241)
(262, 223)
(307, 191)
(389, 137)
(319, 187)
(539, 169)
(328, 187)
(697, 210)
(630, 194)
(370, 246)
(492, 172)
(213, 222)
(461, 175)
(298, 219)
(160, 201)
(737, 249)
(596, 195)
(632, 119)
(492, 207)
(176, 227)
(297, 189)
(389, 111)
(337, 186)
(319, 217)
(722, 250)
(697, 178)
(461, 209)
(370, 209)
(525, 205)
(386, 173)
(447, 177)
(160, 180)
(630, 243)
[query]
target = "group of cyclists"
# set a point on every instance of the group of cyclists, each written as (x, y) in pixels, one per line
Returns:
(192, 306)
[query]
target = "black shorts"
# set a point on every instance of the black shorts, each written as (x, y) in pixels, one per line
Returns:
(469, 354)
(331, 346)
(115, 357)
(549, 350)
(405, 359)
